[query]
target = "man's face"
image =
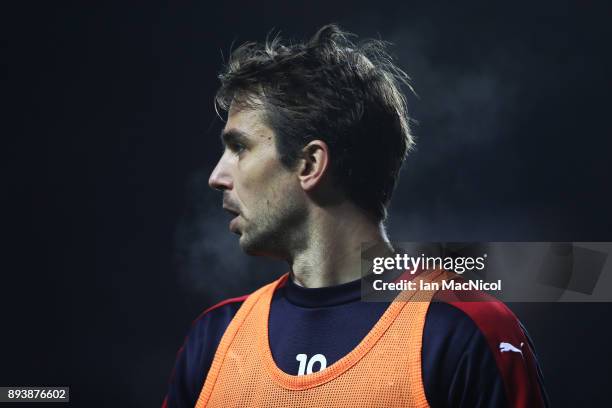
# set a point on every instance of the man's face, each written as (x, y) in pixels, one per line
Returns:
(264, 197)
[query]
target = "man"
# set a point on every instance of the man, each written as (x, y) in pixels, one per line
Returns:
(315, 137)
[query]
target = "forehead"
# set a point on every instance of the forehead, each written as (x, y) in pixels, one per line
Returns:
(248, 121)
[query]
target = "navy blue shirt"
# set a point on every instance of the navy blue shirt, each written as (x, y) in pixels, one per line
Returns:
(459, 365)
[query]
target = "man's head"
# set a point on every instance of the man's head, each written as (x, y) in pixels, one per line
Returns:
(265, 197)
(302, 118)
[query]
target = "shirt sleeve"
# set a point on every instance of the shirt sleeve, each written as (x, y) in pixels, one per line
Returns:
(195, 357)
(465, 366)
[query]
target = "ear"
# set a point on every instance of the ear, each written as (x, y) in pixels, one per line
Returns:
(313, 165)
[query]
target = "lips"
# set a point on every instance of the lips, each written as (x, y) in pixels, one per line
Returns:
(232, 225)
(231, 210)
(235, 213)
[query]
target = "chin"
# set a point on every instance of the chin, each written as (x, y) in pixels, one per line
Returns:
(246, 245)
(255, 247)
(250, 249)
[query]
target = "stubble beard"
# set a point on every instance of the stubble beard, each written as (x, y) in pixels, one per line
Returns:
(276, 232)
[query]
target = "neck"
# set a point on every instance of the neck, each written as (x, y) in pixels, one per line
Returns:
(332, 254)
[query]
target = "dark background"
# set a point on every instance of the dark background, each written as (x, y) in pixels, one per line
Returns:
(114, 243)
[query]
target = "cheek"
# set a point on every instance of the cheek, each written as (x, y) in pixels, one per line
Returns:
(261, 179)
(285, 194)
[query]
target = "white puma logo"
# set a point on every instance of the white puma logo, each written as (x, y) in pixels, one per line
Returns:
(503, 347)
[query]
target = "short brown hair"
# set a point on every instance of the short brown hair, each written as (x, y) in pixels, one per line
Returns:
(329, 88)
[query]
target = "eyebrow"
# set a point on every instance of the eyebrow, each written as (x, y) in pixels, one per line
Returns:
(234, 136)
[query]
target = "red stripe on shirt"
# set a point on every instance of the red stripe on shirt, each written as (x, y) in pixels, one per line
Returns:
(218, 305)
(498, 324)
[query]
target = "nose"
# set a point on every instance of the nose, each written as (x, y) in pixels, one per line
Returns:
(220, 178)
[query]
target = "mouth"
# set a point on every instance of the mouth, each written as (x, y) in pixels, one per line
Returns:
(231, 211)
(235, 214)
(233, 227)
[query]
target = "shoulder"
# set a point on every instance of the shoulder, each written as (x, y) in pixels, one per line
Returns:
(476, 338)
(208, 328)
(219, 312)
(197, 352)
(223, 312)
(489, 316)
(478, 312)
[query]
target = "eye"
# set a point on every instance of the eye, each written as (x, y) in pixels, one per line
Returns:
(236, 148)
